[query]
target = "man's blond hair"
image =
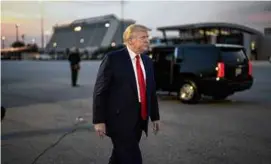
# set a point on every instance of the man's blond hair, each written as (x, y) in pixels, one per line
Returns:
(131, 29)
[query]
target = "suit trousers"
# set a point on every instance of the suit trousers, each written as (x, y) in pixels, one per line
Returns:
(74, 76)
(126, 147)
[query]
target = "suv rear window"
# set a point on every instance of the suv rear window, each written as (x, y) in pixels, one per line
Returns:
(231, 55)
(202, 58)
(163, 54)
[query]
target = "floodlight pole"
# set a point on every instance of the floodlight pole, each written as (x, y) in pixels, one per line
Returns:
(122, 19)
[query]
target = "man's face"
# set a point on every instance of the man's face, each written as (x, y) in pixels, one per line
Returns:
(140, 41)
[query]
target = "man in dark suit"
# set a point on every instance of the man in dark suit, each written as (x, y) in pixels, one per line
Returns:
(124, 96)
(74, 59)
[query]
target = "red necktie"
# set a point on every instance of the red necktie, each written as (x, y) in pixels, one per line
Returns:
(142, 88)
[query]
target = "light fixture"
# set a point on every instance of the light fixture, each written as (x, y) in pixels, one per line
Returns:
(107, 25)
(77, 28)
(82, 40)
(253, 46)
(113, 44)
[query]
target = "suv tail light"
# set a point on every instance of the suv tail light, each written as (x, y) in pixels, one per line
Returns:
(250, 68)
(220, 70)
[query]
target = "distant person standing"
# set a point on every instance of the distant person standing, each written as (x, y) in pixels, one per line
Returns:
(67, 53)
(74, 59)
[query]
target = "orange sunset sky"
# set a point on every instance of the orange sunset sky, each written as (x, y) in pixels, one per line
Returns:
(151, 13)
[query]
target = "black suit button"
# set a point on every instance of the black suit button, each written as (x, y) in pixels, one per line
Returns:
(118, 111)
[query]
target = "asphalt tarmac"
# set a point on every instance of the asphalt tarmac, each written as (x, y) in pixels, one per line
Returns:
(42, 106)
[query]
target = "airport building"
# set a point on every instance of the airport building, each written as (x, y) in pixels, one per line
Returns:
(88, 34)
(103, 31)
(265, 43)
(254, 41)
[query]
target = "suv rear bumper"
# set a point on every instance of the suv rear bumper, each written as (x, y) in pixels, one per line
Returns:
(238, 86)
(224, 86)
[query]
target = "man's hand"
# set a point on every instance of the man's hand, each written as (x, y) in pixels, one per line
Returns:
(156, 126)
(100, 129)
(76, 67)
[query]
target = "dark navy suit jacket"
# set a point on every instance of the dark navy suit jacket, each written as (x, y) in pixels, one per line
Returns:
(115, 97)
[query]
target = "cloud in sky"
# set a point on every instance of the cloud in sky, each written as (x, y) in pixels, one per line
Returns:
(151, 13)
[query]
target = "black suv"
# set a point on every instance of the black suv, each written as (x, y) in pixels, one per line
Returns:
(201, 69)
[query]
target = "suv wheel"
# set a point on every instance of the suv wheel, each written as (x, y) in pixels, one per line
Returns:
(188, 92)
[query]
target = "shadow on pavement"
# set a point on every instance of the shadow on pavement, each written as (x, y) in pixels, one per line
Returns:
(208, 100)
(41, 132)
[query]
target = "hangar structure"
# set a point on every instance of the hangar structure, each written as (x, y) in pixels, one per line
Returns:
(216, 32)
(88, 34)
(94, 33)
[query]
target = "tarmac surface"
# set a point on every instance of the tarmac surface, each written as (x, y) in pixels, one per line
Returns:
(42, 106)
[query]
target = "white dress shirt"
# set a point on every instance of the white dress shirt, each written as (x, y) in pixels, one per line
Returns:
(133, 59)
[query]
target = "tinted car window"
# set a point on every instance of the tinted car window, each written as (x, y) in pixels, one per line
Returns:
(233, 55)
(164, 54)
(201, 58)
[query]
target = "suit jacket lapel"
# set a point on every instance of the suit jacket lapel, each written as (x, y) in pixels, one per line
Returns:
(146, 68)
(130, 71)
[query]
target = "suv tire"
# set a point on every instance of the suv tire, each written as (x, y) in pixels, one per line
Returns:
(188, 92)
